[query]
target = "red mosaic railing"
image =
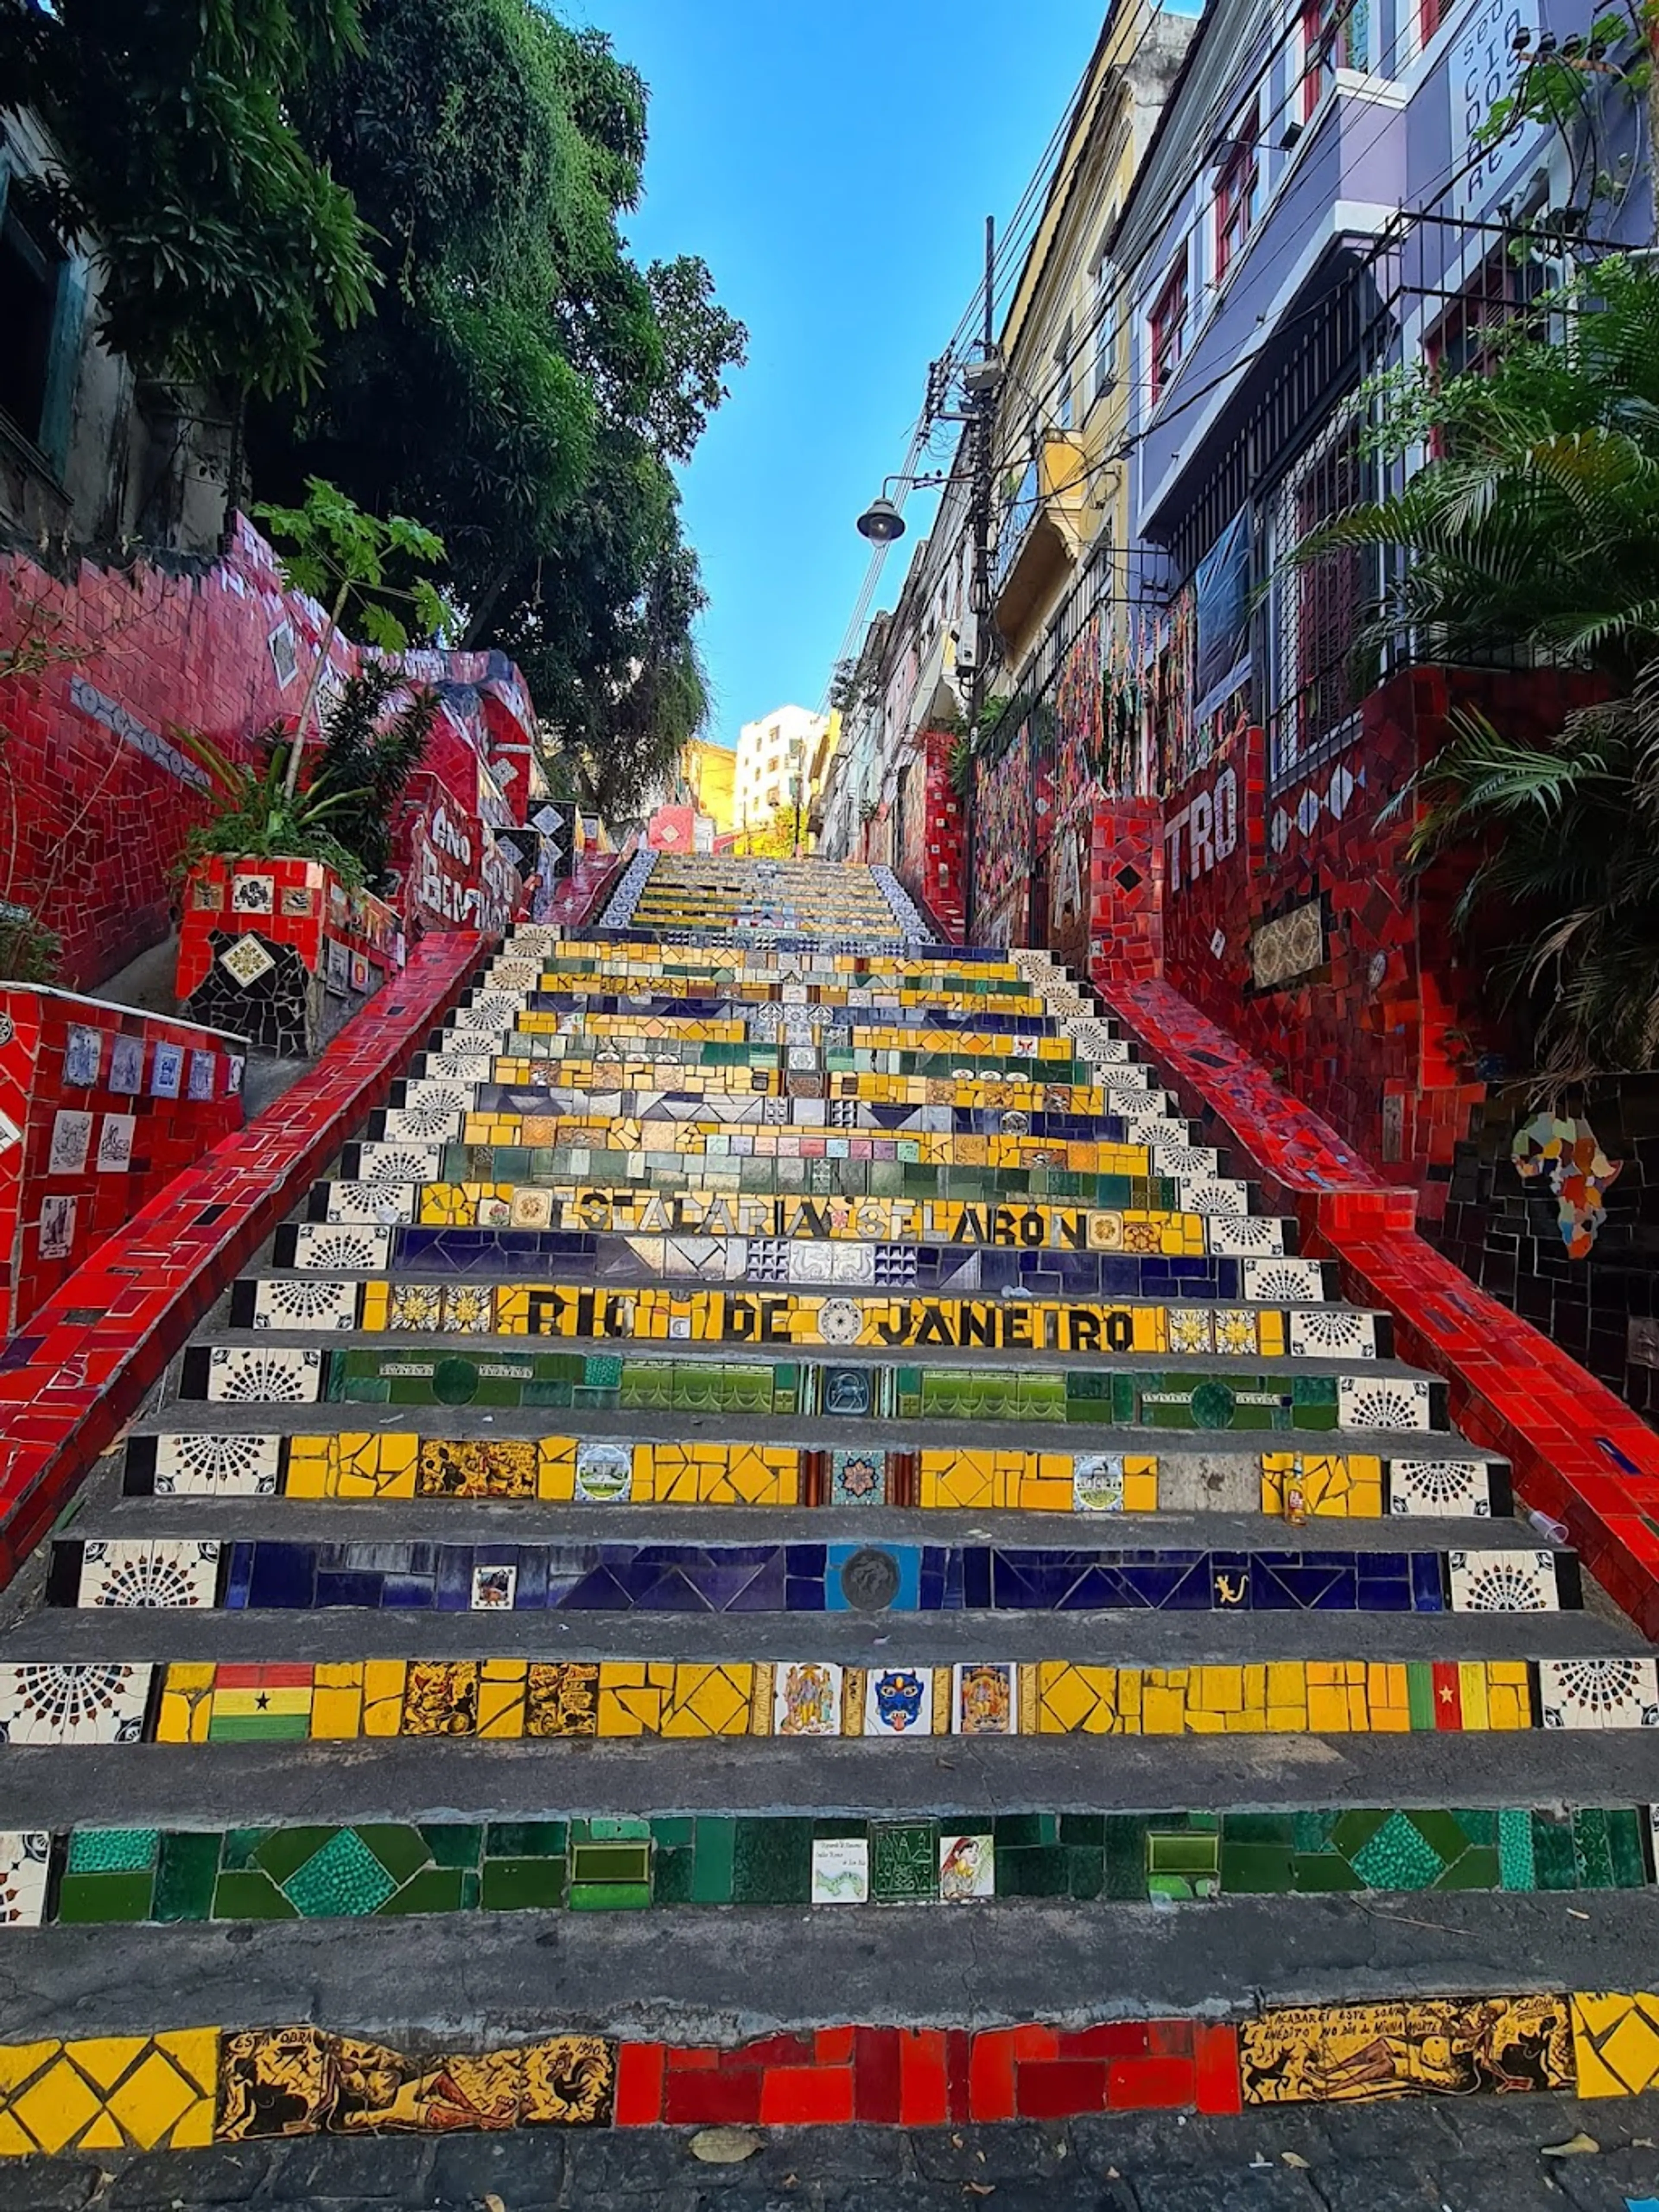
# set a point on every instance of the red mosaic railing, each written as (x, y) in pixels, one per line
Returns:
(1580, 1454)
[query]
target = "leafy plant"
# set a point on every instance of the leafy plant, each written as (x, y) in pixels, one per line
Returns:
(1567, 829)
(29, 951)
(346, 559)
(256, 817)
(525, 385)
(368, 759)
(1532, 536)
(228, 252)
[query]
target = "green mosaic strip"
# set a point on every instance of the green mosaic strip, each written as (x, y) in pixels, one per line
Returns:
(128, 1875)
(1178, 1400)
(828, 1178)
(602, 1046)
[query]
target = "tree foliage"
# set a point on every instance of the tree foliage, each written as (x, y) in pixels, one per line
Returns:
(524, 387)
(228, 252)
(1532, 536)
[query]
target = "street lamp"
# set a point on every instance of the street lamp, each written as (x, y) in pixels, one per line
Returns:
(881, 521)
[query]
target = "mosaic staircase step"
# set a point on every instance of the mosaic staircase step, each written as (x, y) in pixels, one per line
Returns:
(620, 1863)
(849, 1314)
(315, 1249)
(1191, 1398)
(772, 1471)
(775, 1576)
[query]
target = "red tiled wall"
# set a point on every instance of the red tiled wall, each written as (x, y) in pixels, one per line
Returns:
(308, 906)
(930, 861)
(58, 1062)
(96, 797)
(1124, 938)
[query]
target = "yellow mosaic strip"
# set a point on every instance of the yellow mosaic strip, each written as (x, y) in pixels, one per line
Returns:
(804, 1318)
(966, 1044)
(109, 2093)
(628, 1134)
(502, 1128)
(715, 957)
(1321, 1487)
(629, 1212)
(368, 1464)
(501, 1700)
(572, 984)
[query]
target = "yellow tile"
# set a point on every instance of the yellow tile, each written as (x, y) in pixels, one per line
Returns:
(1140, 1485)
(376, 1299)
(1221, 1689)
(500, 1697)
(1327, 1709)
(1068, 1694)
(312, 1465)
(383, 1696)
(555, 1469)
(1287, 1683)
(1472, 1688)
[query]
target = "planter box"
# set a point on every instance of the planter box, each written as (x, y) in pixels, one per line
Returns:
(99, 1106)
(264, 945)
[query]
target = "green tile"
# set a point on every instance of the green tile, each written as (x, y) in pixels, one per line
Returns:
(1515, 1857)
(1034, 1870)
(401, 1850)
(1478, 1824)
(1478, 1868)
(112, 1851)
(711, 1875)
(673, 1867)
(1013, 1829)
(665, 1834)
(452, 1843)
(1259, 1827)
(626, 1862)
(1589, 1840)
(1125, 1855)
(1354, 1830)
(1554, 1860)
(250, 1896)
(609, 1896)
(1311, 1832)
(1082, 1828)
(613, 1830)
(512, 1885)
(1630, 1870)
(1180, 1853)
(1322, 1874)
(772, 1862)
(1256, 1869)
(1088, 1876)
(188, 1870)
(1445, 1833)
(436, 1889)
(238, 1847)
(903, 1861)
(281, 1851)
(103, 1897)
(1398, 1855)
(344, 1878)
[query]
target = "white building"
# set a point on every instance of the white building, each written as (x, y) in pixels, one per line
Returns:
(775, 759)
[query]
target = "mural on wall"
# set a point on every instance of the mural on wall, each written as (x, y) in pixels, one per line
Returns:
(1578, 1172)
(1003, 844)
(1079, 726)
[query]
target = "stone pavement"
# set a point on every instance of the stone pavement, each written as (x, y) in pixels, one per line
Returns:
(777, 1546)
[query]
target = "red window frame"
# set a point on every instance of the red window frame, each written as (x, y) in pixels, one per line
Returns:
(1167, 326)
(1236, 197)
(1325, 26)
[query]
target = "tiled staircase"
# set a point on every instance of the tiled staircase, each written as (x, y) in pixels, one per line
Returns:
(753, 1336)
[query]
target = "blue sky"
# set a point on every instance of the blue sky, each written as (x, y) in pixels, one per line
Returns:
(833, 164)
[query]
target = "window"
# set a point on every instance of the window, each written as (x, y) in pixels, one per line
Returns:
(1461, 341)
(40, 307)
(1335, 34)
(1238, 195)
(1320, 607)
(1107, 295)
(1065, 412)
(1168, 328)
(1431, 15)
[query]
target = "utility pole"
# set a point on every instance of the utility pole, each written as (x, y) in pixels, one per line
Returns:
(982, 431)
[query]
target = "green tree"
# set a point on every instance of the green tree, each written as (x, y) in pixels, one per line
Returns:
(1533, 534)
(227, 252)
(524, 386)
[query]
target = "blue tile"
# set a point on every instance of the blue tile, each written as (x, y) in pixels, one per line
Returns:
(284, 1574)
(237, 1576)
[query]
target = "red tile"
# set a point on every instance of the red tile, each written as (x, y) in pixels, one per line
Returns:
(1215, 2055)
(710, 2099)
(990, 2075)
(1034, 2041)
(639, 2075)
(925, 2076)
(876, 2071)
(1148, 2085)
(1061, 2088)
(799, 2096)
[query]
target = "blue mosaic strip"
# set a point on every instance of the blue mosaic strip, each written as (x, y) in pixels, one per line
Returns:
(621, 1577)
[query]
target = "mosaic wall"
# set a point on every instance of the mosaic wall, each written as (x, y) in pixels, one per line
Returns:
(99, 1107)
(1004, 830)
(1569, 1250)
(265, 945)
(930, 859)
(186, 2088)
(101, 797)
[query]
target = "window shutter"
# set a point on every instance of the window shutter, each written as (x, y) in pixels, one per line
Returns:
(62, 371)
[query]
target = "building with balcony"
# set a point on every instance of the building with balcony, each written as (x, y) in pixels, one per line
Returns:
(775, 759)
